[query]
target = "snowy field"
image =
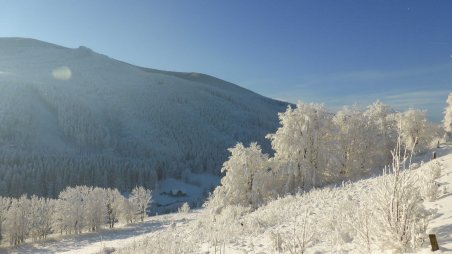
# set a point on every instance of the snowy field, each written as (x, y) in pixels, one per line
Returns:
(273, 228)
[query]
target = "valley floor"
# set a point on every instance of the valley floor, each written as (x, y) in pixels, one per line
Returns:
(261, 231)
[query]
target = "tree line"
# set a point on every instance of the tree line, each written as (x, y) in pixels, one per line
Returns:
(48, 175)
(314, 147)
(76, 210)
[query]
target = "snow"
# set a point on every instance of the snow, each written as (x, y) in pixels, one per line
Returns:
(441, 224)
(74, 103)
(237, 231)
(58, 103)
(193, 188)
(95, 242)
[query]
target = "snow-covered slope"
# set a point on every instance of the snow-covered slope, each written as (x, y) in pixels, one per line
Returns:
(279, 223)
(109, 123)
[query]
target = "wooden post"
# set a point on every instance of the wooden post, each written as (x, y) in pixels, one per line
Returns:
(434, 155)
(433, 242)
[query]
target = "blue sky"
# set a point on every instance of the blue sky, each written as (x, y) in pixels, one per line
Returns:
(336, 52)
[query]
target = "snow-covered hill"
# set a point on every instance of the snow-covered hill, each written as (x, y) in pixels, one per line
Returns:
(273, 228)
(73, 116)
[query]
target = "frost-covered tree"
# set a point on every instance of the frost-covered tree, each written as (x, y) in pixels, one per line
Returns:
(77, 209)
(5, 203)
(242, 183)
(17, 220)
(128, 213)
(381, 115)
(357, 143)
(140, 199)
(41, 217)
(302, 145)
(435, 134)
(114, 203)
(95, 209)
(70, 209)
(448, 116)
(415, 132)
(313, 147)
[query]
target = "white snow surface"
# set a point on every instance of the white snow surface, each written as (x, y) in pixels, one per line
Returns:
(441, 224)
(201, 231)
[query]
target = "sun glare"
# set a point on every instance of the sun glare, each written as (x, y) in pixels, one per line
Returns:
(62, 73)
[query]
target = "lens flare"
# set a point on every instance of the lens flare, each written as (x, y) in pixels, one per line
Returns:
(62, 73)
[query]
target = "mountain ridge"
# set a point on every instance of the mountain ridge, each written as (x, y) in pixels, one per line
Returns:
(82, 107)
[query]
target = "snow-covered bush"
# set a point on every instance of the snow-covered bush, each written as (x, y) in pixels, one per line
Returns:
(229, 215)
(362, 223)
(165, 243)
(223, 225)
(400, 218)
(336, 223)
(428, 184)
(185, 208)
(276, 241)
(301, 236)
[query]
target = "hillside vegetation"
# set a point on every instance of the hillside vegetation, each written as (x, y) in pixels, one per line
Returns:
(76, 117)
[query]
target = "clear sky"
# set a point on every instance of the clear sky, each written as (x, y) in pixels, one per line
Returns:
(336, 52)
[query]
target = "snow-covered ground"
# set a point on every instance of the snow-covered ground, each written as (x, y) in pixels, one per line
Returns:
(261, 231)
(192, 188)
(441, 224)
(95, 242)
